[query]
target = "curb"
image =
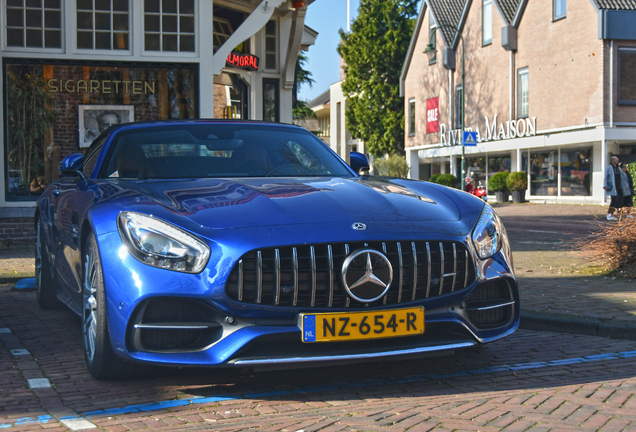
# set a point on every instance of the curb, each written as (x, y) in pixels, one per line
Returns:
(585, 325)
(13, 278)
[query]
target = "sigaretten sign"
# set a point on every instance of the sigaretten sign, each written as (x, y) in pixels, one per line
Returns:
(432, 115)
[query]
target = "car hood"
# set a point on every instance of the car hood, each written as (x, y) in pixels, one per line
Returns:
(237, 203)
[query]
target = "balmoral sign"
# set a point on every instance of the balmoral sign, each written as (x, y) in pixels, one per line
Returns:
(508, 130)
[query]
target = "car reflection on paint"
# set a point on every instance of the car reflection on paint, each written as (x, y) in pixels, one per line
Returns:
(235, 243)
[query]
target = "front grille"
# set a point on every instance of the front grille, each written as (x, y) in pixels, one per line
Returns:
(310, 275)
(490, 305)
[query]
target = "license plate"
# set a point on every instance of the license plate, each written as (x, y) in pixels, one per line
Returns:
(328, 327)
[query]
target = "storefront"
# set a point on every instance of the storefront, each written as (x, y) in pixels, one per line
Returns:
(556, 106)
(72, 68)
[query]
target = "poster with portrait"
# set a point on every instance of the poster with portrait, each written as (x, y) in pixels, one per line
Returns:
(94, 119)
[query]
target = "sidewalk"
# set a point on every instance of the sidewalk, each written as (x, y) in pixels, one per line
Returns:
(558, 290)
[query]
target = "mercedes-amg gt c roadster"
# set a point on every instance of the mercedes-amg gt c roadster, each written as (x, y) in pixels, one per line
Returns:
(236, 243)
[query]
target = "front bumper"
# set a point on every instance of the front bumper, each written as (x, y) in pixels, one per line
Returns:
(256, 335)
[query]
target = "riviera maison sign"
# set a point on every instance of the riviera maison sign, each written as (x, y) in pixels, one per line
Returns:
(100, 86)
(508, 130)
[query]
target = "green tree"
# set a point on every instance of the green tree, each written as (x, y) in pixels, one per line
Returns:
(303, 76)
(373, 53)
(303, 111)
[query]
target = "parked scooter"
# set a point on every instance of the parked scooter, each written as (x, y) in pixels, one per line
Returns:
(479, 191)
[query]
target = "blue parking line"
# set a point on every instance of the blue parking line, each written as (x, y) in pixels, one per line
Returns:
(155, 406)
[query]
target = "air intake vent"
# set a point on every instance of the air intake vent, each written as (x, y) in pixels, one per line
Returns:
(490, 305)
(174, 325)
(310, 275)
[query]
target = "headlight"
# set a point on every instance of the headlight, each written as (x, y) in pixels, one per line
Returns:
(487, 234)
(160, 244)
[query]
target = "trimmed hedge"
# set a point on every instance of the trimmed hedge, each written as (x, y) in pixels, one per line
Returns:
(447, 180)
(517, 181)
(497, 183)
(434, 178)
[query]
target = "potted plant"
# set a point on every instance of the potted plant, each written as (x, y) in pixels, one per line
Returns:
(517, 182)
(497, 184)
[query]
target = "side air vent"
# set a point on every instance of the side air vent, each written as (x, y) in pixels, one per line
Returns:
(173, 325)
(490, 305)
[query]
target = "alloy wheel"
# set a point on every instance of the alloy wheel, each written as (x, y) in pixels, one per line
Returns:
(90, 315)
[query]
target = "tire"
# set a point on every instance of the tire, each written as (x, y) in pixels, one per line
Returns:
(45, 292)
(101, 361)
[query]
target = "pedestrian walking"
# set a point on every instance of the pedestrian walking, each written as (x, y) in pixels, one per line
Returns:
(628, 200)
(616, 185)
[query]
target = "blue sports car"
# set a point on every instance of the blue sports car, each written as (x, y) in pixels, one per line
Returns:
(236, 243)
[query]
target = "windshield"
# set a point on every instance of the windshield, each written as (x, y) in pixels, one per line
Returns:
(219, 151)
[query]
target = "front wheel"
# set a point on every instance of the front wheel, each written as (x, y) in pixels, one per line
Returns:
(100, 358)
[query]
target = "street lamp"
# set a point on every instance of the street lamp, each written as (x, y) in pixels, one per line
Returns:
(430, 51)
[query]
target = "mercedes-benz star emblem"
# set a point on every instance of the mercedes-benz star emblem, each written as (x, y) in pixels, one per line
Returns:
(367, 275)
(359, 226)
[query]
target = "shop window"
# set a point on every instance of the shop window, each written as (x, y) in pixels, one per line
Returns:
(44, 102)
(576, 172)
(523, 93)
(271, 100)
(412, 117)
(459, 106)
(432, 38)
(498, 164)
(475, 171)
(103, 24)
(486, 22)
(34, 24)
(627, 76)
(558, 9)
(544, 169)
(169, 25)
(271, 45)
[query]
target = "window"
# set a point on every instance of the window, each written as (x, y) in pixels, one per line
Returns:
(627, 76)
(338, 126)
(412, 117)
(544, 170)
(486, 22)
(36, 24)
(43, 103)
(103, 24)
(432, 38)
(558, 9)
(271, 45)
(222, 30)
(459, 106)
(169, 25)
(271, 102)
(576, 172)
(523, 93)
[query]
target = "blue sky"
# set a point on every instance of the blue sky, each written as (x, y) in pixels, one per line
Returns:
(326, 17)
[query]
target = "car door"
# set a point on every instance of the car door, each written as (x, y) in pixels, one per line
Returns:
(72, 197)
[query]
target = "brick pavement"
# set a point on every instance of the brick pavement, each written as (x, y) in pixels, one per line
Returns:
(530, 380)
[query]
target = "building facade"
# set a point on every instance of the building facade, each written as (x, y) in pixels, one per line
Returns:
(549, 87)
(71, 68)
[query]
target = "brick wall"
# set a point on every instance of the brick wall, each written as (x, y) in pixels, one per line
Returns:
(17, 229)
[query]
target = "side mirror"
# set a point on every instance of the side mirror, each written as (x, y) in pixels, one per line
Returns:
(358, 162)
(72, 166)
